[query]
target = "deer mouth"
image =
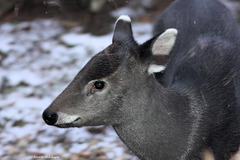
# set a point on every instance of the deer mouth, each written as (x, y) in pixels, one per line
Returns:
(75, 123)
(77, 119)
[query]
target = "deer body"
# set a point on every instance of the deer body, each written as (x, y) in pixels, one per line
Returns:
(206, 55)
(190, 107)
(195, 19)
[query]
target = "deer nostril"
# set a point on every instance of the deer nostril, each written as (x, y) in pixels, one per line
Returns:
(49, 117)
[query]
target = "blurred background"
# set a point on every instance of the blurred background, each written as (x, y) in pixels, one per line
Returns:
(43, 45)
(94, 15)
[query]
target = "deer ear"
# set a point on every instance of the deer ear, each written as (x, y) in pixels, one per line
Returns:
(165, 42)
(123, 29)
(161, 49)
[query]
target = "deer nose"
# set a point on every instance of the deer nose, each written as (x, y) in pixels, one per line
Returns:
(49, 117)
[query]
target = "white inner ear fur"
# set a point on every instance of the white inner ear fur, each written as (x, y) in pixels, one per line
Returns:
(165, 42)
(153, 68)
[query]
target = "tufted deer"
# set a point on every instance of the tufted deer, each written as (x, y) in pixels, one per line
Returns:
(191, 107)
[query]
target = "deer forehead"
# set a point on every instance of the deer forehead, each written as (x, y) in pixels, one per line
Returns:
(102, 65)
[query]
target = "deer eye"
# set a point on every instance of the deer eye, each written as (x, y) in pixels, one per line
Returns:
(96, 86)
(99, 85)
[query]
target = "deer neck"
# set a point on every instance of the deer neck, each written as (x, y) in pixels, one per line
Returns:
(153, 122)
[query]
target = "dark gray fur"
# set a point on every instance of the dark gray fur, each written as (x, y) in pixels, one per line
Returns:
(206, 57)
(193, 109)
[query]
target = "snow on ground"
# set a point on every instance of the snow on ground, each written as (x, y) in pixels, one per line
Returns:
(37, 61)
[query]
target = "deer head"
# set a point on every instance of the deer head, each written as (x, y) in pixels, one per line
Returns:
(103, 91)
